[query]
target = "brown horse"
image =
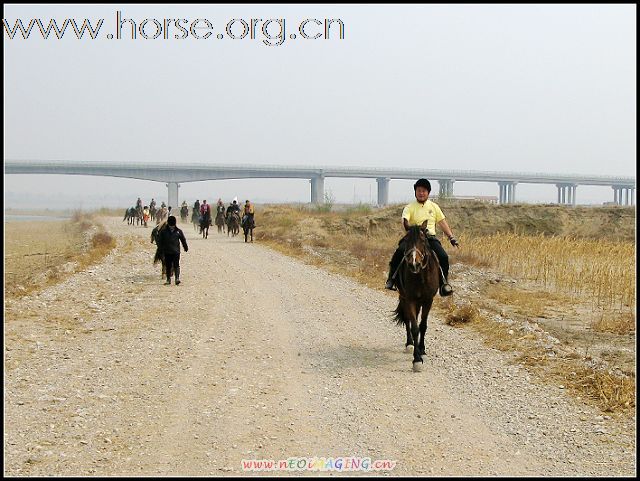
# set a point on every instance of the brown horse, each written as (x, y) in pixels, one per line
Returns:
(159, 255)
(248, 224)
(233, 224)
(205, 223)
(220, 222)
(418, 280)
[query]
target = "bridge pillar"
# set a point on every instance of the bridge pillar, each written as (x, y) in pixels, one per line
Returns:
(383, 191)
(446, 188)
(173, 196)
(317, 189)
(624, 195)
(567, 194)
(507, 192)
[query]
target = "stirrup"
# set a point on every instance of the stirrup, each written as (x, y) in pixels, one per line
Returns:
(389, 285)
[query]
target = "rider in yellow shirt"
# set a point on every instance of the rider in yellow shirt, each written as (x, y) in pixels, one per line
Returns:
(418, 213)
(247, 212)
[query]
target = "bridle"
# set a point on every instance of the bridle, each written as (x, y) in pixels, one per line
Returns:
(410, 256)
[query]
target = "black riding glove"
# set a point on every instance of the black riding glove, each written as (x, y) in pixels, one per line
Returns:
(454, 242)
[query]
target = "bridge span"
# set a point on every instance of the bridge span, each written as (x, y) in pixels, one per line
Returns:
(173, 174)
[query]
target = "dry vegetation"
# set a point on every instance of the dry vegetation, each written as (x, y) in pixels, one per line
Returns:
(591, 278)
(38, 254)
(603, 270)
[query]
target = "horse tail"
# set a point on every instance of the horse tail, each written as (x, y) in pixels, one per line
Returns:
(398, 314)
(158, 257)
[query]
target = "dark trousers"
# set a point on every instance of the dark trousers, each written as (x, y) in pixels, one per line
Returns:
(172, 263)
(435, 245)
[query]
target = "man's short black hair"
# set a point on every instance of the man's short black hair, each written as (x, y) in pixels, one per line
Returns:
(171, 220)
(422, 183)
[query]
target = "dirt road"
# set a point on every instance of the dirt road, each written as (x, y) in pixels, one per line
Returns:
(257, 356)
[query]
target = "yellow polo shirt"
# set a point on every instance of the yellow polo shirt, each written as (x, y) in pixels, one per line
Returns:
(416, 213)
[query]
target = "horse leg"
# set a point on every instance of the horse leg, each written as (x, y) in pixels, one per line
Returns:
(411, 313)
(409, 338)
(251, 235)
(426, 307)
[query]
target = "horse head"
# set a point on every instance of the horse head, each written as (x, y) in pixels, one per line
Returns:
(416, 253)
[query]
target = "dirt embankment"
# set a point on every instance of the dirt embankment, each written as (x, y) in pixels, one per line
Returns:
(258, 356)
(478, 218)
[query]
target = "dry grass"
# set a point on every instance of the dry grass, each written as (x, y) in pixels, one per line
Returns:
(609, 390)
(616, 322)
(39, 254)
(604, 270)
(525, 302)
(462, 314)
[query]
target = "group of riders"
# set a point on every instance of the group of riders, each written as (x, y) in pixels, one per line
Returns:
(144, 213)
(200, 213)
(244, 215)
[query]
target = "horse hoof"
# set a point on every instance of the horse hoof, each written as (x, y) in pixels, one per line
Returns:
(417, 367)
(408, 348)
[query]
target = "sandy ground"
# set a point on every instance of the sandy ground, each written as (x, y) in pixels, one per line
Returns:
(258, 356)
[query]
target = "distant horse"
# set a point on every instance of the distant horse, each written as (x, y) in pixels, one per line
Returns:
(161, 215)
(139, 215)
(220, 222)
(205, 222)
(233, 224)
(195, 219)
(159, 255)
(184, 213)
(248, 224)
(418, 280)
(130, 215)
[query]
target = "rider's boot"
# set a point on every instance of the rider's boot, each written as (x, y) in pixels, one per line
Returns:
(393, 266)
(445, 288)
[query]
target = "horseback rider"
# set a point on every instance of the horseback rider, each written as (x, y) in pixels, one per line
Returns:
(233, 207)
(204, 208)
(196, 205)
(163, 205)
(220, 208)
(425, 211)
(248, 212)
(139, 204)
(152, 204)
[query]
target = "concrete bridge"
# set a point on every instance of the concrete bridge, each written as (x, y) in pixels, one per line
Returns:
(172, 174)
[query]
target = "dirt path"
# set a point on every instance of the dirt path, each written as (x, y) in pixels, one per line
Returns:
(257, 356)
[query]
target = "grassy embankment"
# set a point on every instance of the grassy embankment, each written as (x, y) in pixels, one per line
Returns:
(573, 272)
(39, 254)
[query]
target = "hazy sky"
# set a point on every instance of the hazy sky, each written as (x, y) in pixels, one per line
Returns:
(527, 88)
